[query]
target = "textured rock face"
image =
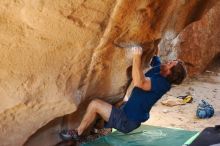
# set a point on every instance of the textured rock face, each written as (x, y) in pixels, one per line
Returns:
(58, 55)
(200, 43)
(196, 44)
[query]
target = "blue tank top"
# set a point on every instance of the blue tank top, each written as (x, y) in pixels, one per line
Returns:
(140, 102)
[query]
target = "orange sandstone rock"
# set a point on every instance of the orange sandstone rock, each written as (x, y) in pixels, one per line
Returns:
(199, 42)
(58, 55)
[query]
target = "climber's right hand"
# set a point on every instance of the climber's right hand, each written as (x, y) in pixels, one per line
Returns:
(137, 50)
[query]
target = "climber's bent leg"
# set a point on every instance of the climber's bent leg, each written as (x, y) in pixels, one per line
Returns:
(95, 107)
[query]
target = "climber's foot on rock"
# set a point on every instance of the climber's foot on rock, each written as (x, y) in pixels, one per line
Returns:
(70, 135)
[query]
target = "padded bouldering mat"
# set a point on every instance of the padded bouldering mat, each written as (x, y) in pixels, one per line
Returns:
(145, 136)
(208, 137)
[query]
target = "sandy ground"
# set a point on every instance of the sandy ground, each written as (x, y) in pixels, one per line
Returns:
(205, 86)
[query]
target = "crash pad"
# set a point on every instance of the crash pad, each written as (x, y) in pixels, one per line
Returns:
(210, 136)
(145, 135)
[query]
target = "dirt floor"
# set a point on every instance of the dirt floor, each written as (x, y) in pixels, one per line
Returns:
(205, 86)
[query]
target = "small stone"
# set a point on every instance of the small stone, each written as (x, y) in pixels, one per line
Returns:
(188, 93)
(180, 119)
(214, 90)
(165, 111)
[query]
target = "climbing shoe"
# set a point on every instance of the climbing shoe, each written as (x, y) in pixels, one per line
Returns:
(186, 98)
(69, 135)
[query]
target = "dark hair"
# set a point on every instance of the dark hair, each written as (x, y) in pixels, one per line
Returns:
(178, 73)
